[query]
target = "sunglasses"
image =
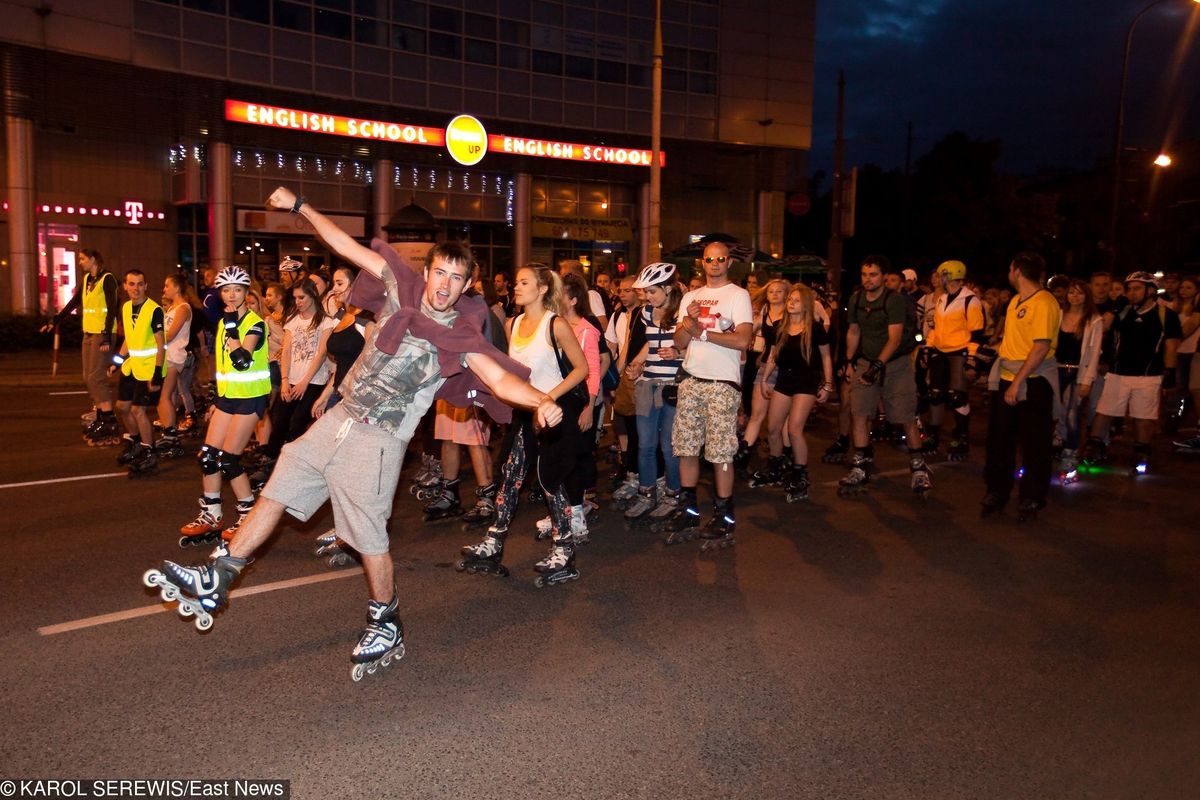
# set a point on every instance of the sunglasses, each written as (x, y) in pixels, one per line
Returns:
(717, 259)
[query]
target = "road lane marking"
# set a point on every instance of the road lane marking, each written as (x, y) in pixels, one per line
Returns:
(84, 391)
(159, 608)
(63, 480)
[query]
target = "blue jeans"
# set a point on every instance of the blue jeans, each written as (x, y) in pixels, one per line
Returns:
(654, 432)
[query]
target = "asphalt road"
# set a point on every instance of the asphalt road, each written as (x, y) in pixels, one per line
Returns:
(874, 647)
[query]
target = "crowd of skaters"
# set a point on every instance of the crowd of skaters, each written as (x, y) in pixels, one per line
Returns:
(684, 375)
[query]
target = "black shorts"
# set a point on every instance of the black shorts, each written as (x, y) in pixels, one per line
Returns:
(131, 390)
(243, 405)
(792, 382)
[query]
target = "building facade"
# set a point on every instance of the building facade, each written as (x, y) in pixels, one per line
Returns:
(153, 131)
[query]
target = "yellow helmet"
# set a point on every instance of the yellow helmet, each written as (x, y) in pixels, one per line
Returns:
(952, 270)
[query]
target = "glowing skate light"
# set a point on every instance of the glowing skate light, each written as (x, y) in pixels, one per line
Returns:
(1140, 469)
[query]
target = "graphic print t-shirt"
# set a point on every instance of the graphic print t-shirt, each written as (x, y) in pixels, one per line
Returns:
(708, 359)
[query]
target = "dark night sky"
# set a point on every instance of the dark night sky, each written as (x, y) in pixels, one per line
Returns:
(1041, 75)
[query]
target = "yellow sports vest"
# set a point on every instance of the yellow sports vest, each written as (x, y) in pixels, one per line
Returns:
(254, 382)
(95, 309)
(140, 340)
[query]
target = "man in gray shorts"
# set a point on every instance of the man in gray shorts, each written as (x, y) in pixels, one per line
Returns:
(880, 368)
(423, 347)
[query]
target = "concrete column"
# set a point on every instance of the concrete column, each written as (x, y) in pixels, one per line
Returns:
(381, 197)
(522, 230)
(644, 245)
(768, 228)
(22, 221)
(220, 205)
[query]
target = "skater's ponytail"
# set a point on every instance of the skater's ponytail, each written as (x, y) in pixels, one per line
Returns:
(548, 278)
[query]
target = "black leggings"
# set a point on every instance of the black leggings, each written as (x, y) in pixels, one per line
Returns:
(555, 453)
(290, 419)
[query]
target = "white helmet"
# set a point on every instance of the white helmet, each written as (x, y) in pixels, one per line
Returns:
(654, 274)
(231, 276)
(289, 264)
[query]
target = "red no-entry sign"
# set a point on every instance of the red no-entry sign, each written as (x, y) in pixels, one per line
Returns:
(798, 204)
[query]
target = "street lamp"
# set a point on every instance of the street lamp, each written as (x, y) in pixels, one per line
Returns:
(1163, 160)
(1120, 126)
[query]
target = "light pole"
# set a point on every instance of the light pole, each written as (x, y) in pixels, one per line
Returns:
(1120, 127)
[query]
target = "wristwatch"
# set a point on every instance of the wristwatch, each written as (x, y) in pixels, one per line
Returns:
(704, 335)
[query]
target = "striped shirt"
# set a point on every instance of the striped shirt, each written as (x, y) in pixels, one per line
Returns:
(656, 337)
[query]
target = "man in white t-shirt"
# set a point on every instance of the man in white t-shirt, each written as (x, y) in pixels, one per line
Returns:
(715, 326)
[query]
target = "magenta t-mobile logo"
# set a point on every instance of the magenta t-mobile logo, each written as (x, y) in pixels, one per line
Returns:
(134, 212)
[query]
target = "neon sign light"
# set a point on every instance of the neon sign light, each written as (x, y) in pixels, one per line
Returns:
(133, 211)
(354, 127)
(463, 144)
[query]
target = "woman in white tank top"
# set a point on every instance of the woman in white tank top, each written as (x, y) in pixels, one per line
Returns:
(177, 325)
(538, 293)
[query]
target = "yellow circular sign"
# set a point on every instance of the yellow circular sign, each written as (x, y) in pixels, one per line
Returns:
(466, 140)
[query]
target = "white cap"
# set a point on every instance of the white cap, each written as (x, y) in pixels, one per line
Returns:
(909, 274)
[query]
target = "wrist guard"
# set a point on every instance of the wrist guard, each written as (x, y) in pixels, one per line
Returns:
(873, 373)
(240, 358)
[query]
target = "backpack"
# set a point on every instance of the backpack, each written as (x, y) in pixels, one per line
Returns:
(908, 337)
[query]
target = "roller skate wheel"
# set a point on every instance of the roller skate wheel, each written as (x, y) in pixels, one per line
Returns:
(151, 578)
(539, 582)
(203, 622)
(461, 566)
(186, 611)
(169, 593)
(357, 672)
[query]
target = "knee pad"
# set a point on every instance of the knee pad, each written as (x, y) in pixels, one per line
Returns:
(956, 399)
(231, 465)
(936, 397)
(209, 459)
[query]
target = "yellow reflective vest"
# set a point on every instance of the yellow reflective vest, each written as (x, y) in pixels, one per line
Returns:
(95, 308)
(253, 382)
(139, 338)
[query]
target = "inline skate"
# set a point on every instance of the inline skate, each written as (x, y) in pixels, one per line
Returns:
(382, 641)
(144, 463)
(485, 556)
(200, 590)
(836, 452)
(243, 509)
(668, 504)
(1068, 467)
(684, 524)
(1191, 445)
(205, 528)
(718, 533)
(445, 504)
(428, 479)
(642, 507)
(1096, 452)
(922, 479)
(1027, 510)
(484, 510)
(557, 567)
(932, 441)
(1141, 460)
(993, 502)
(772, 475)
(130, 446)
(858, 476)
(103, 431)
(959, 448)
(627, 492)
(168, 446)
(333, 550)
(796, 484)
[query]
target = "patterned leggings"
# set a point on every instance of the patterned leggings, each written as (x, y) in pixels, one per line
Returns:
(520, 448)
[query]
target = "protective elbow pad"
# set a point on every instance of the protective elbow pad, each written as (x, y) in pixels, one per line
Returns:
(209, 459)
(240, 358)
(231, 465)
